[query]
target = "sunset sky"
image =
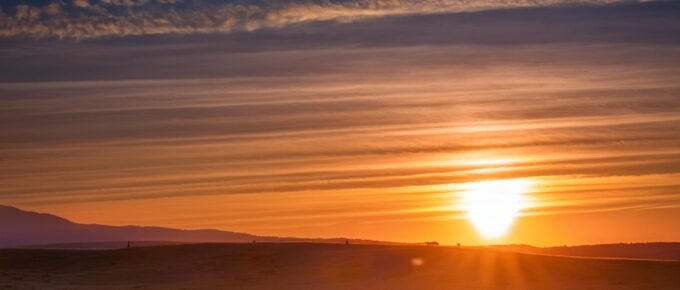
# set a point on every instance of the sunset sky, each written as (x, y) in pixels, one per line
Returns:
(345, 118)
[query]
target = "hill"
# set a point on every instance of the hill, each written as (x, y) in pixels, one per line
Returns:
(652, 251)
(20, 228)
(322, 266)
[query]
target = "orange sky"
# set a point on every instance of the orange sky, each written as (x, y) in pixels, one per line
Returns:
(368, 140)
(363, 159)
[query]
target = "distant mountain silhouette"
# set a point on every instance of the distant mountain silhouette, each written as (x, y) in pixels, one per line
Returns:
(652, 251)
(20, 228)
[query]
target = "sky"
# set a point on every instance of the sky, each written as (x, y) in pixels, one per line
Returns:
(362, 119)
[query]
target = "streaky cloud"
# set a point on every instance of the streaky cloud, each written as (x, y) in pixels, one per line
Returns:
(81, 19)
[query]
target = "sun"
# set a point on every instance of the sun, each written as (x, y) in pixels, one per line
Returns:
(492, 205)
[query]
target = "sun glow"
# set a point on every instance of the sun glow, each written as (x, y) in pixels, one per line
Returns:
(492, 205)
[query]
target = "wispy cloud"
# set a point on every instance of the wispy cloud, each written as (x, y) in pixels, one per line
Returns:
(78, 19)
(170, 138)
(291, 131)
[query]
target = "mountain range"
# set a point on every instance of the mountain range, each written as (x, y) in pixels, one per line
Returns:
(19, 228)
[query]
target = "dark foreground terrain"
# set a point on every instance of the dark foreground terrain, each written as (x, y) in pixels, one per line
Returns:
(322, 266)
(642, 251)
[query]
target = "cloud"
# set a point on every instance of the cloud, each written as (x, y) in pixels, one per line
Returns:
(81, 3)
(355, 121)
(646, 31)
(79, 19)
(376, 124)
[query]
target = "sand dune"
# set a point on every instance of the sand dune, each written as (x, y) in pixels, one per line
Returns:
(322, 266)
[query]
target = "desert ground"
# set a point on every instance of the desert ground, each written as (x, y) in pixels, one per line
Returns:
(322, 266)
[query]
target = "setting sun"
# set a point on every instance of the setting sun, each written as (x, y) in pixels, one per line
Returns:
(492, 205)
(340, 144)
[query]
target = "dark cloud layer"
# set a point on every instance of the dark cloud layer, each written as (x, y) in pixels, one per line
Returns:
(79, 19)
(240, 54)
